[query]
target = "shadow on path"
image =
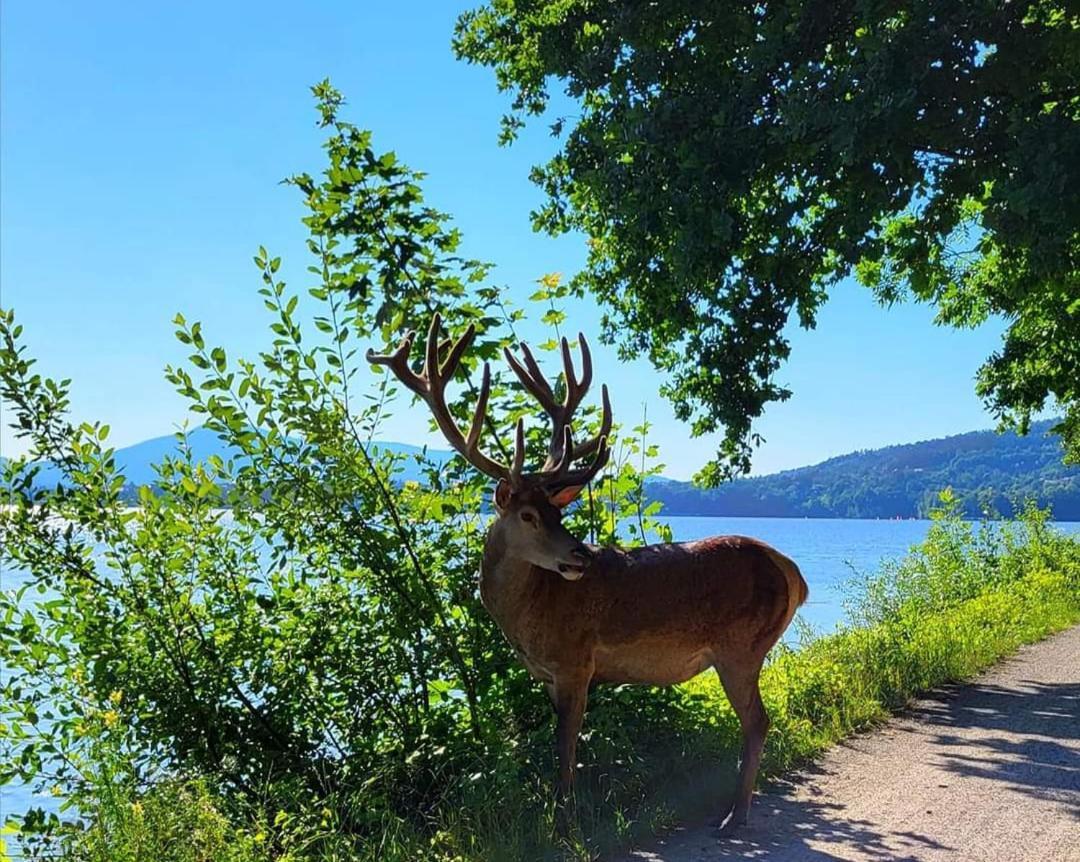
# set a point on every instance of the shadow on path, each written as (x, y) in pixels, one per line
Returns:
(815, 832)
(987, 749)
(1021, 737)
(789, 828)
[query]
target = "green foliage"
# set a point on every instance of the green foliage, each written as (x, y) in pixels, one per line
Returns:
(290, 625)
(170, 822)
(731, 162)
(990, 474)
(961, 600)
(280, 655)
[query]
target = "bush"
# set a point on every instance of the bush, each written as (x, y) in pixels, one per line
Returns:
(294, 624)
(171, 822)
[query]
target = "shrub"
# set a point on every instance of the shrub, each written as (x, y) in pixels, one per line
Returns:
(294, 623)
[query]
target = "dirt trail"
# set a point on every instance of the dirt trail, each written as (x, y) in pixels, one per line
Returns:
(984, 772)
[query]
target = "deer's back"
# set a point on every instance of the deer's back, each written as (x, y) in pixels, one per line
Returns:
(659, 614)
(663, 613)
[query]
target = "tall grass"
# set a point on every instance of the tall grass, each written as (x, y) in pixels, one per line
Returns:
(961, 600)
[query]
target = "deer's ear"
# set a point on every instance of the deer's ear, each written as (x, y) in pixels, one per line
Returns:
(502, 495)
(565, 496)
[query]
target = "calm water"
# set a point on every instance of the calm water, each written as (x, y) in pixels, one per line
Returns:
(829, 552)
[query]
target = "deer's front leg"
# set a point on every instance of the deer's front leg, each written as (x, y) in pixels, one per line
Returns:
(569, 695)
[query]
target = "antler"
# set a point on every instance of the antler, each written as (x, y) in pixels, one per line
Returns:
(430, 385)
(562, 415)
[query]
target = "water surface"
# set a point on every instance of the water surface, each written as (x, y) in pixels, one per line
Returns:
(829, 551)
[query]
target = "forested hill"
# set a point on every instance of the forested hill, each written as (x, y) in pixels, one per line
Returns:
(987, 472)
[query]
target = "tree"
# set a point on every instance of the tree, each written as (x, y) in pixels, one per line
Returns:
(731, 162)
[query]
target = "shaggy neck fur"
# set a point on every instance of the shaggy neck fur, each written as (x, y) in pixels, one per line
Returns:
(504, 579)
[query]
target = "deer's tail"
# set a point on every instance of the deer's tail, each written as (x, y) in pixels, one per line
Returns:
(798, 591)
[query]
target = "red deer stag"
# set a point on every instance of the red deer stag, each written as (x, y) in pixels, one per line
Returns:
(579, 615)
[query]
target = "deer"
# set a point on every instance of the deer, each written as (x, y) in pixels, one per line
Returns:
(578, 615)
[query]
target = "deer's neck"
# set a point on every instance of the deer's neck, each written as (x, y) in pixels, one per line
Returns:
(506, 582)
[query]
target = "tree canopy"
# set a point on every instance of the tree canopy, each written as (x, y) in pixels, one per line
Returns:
(731, 162)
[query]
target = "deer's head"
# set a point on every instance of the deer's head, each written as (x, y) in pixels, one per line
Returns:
(529, 505)
(530, 528)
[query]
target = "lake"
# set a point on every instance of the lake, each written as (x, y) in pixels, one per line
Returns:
(828, 551)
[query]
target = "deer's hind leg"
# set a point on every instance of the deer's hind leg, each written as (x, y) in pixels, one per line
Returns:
(741, 687)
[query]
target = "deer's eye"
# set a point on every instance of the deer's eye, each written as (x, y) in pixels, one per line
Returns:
(528, 517)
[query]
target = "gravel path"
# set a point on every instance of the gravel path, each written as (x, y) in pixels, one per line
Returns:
(984, 772)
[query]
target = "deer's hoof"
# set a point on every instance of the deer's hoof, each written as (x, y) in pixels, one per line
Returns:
(730, 825)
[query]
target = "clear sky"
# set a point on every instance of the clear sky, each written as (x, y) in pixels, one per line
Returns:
(141, 145)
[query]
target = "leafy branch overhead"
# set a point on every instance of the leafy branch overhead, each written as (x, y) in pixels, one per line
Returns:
(731, 163)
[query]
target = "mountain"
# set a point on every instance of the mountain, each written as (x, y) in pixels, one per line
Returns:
(988, 472)
(137, 461)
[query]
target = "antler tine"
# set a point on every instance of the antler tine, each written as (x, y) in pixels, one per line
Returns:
(575, 389)
(398, 362)
(583, 475)
(532, 379)
(479, 411)
(558, 464)
(431, 352)
(430, 385)
(567, 457)
(519, 453)
(586, 361)
(587, 448)
(603, 452)
(453, 359)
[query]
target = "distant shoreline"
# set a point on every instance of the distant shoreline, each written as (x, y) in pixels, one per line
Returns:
(662, 515)
(986, 472)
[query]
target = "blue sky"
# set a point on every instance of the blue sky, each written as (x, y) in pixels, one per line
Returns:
(142, 145)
